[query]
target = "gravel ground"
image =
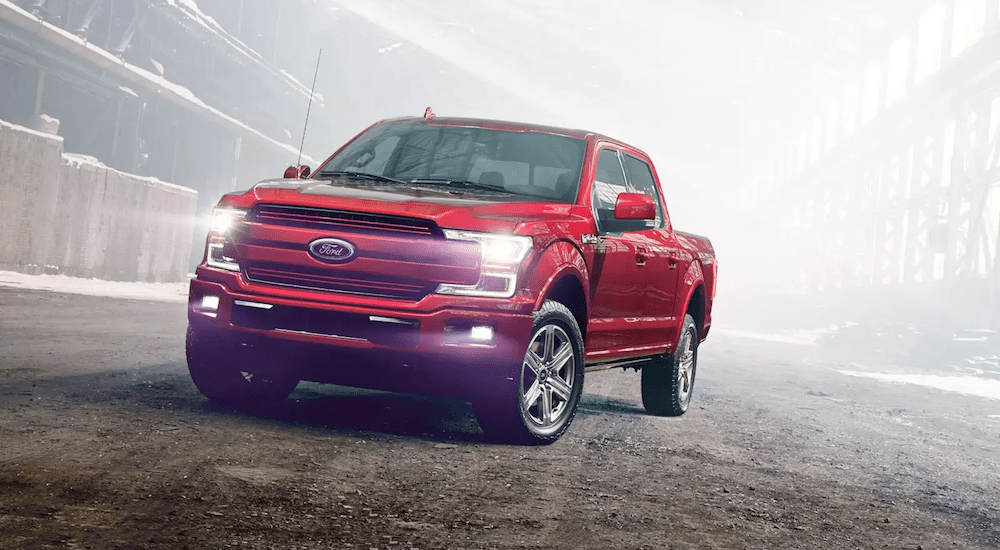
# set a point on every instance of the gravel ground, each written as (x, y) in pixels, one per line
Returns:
(105, 443)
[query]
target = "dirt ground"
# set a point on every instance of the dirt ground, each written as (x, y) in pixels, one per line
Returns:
(105, 443)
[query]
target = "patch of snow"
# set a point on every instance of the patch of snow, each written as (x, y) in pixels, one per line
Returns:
(20, 128)
(966, 385)
(390, 48)
(154, 292)
(799, 337)
(77, 160)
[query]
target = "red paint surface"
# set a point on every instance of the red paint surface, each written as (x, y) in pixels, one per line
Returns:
(635, 286)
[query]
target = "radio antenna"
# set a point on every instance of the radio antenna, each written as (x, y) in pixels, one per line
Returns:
(309, 109)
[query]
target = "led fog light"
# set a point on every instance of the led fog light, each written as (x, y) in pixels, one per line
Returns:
(481, 333)
(467, 334)
(210, 302)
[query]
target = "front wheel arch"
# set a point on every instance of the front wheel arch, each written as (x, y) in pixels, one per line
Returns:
(540, 406)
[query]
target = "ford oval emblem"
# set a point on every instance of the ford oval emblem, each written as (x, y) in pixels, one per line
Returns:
(332, 250)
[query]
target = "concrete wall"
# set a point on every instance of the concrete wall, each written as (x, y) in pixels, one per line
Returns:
(72, 215)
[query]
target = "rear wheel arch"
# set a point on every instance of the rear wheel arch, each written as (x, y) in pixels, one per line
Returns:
(697, 307)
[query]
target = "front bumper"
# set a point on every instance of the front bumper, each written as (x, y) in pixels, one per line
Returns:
(433, 352)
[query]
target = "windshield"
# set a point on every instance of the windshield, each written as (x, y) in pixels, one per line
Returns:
(531, 164)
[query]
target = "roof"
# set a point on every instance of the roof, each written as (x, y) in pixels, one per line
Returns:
(507, 125)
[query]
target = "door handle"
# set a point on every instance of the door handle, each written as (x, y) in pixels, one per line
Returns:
(672, 259)
(641, 255)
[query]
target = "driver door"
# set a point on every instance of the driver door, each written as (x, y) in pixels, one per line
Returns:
(617, 280)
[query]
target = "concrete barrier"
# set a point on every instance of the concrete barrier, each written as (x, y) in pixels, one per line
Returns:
(70, 214)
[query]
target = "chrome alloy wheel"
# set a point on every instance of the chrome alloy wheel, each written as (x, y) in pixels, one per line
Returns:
(685, 369)
(547, 377)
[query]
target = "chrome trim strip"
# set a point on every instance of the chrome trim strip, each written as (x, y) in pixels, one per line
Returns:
(252, 304)
(379, 319)
(306, 333)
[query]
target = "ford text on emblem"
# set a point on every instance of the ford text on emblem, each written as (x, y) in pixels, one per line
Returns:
(331, 250)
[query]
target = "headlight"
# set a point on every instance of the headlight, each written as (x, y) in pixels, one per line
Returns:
(501, 258)
(223, 218)
(220, 253)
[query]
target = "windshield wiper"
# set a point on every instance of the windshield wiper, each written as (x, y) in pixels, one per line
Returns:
(463, 184)
(360, 176)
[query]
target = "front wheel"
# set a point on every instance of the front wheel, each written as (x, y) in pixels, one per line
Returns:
(668, 381)
(228, 377)
(548, 388)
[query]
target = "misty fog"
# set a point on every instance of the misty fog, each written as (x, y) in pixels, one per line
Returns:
(841, 176)
(368, 359)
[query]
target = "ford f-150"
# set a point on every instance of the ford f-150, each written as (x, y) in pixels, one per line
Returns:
(492, 260)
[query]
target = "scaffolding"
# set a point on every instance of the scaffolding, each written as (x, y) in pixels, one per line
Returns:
(897, 180)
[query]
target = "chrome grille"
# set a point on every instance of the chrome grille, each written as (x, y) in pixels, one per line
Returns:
(332, 220)
(327, 281)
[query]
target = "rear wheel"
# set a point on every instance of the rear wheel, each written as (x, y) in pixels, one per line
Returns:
(668, 381)
(548, 388)
(229, 376)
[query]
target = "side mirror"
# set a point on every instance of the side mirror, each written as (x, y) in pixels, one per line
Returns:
(297, 172)
(635, 206)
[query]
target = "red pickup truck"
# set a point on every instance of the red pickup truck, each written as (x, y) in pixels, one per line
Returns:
(491, 260)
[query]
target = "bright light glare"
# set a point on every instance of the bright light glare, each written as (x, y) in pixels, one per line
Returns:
(223, 218)
(210, 301)
(496, 248)
(483, 333)
(501, 250)
(501, 257)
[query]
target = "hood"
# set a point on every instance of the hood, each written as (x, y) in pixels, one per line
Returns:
(449, 208)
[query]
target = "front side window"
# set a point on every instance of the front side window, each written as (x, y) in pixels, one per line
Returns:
(609, 182)
(640, 176)
(532, 164)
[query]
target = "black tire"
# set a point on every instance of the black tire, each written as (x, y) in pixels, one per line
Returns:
(217, 372)
(543, 403)
(668, 381)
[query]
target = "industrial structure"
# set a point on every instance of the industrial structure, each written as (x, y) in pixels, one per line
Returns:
(883, 172)
(892, 180)
(152, 88)
(211, 95)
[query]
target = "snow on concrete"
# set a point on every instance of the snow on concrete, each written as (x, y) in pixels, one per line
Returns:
(77, 160)
(154, 292)
(32, 131)
(967, 385)
(804, 337)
